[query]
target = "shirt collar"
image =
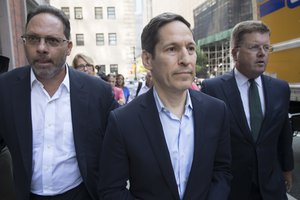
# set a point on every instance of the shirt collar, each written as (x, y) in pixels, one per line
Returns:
(161, 107)
(65, 82)
(242, 79)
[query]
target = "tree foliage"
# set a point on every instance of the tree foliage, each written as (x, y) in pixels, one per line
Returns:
(201, 64)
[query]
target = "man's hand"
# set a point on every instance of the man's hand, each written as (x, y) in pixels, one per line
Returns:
(288, 180)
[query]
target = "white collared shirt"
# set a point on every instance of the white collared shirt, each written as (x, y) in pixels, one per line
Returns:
(243, 85)
(179, 135)
(143, 89)
(54, 164)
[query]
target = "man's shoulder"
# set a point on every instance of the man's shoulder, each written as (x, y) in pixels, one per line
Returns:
(274, 82)
(83, 78)
(16, 73)
(218, 79)
(205, 98)
(140, 102)
(273, 79)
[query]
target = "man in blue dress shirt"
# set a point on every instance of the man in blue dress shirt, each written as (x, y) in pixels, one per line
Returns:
(171, 142)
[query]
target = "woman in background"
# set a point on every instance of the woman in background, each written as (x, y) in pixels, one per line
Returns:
(84, 63)
(120, 83)
(118, 92)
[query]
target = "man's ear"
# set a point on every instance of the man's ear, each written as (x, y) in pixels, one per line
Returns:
(70, 46)
(234, 53)
(147, 58)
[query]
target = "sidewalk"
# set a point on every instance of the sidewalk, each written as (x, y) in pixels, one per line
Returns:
(290, 197)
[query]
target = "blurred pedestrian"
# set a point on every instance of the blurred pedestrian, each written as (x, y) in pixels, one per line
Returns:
(53, 117)
(118, 92)
(261, 136)
(84, 63)
(120, 83)
(146, 85)
(7, 191)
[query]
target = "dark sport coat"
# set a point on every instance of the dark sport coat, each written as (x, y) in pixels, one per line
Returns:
(135, 148)
(91, 101)
(265, 160)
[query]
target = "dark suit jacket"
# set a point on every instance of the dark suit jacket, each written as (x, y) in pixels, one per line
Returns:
(135, 148)
(91, 102)
(265, 160)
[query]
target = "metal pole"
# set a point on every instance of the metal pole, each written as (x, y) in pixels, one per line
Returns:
(134, 62)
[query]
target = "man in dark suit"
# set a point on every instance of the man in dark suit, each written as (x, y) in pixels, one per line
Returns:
(6, 181)
(261, 137)
(171, 142)
(53, 117)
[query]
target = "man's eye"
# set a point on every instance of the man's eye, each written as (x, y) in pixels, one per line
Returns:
(171, 49)
(33, 38)
(254, 47)
(191, 49)
(52, 40)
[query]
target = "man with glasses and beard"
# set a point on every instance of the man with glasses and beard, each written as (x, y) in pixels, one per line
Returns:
(51, 118)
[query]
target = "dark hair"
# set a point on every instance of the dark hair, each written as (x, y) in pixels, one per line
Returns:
(242, 28)
(123, 82)
(54, 11)
(150, 36)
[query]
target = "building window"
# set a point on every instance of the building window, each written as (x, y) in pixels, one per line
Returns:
(99, 39)
(78, 13)
(112, 39)
(98, 13)
(111, 13)
(113, 69)
(79, 40)
(66, 10)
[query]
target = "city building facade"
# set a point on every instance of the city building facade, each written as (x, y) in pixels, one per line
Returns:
(12, 25)
(104, 31)
(214, 20)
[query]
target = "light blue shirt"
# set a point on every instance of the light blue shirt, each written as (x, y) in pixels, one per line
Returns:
(179, 135)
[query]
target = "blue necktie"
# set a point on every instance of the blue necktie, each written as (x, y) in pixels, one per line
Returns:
(256, 115)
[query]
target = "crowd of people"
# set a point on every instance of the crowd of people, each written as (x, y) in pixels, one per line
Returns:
(74, 136)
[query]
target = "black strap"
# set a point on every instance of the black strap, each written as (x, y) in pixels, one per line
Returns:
(138, 88)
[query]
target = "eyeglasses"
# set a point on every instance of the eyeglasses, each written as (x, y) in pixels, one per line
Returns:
(81, 67)
(49, 40)
(256, 48)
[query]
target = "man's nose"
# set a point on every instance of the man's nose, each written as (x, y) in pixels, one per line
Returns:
(42, 45)
(262, 51)
(185, 57)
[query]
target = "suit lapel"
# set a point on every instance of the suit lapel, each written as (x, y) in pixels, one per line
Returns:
(235, 104)
(199, 142)
(79, 109)
(21, 96)
(155, 134)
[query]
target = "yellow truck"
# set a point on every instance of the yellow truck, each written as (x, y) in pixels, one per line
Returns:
(283, 18)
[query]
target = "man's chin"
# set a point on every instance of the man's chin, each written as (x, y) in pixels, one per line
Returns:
(43, 73)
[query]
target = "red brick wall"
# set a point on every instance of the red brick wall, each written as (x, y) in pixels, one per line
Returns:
(18, 17)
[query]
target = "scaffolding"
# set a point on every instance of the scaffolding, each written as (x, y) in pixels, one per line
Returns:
(214, 20)
(218, 57)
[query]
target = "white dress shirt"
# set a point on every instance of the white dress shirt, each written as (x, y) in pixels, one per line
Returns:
(143, 89)
(243, 85)
(179, 135)
(54, 165)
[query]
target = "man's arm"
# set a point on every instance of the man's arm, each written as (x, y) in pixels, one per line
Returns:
(114, 165)
(220, 183)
